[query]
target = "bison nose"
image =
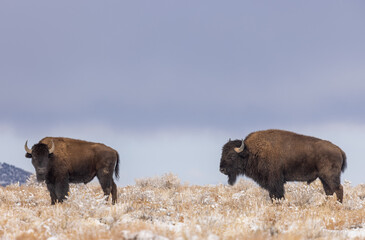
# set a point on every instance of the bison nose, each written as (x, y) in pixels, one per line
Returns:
(42, 170)
(223, 170)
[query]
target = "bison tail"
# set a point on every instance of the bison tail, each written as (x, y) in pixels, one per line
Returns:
(116, 171)
(344, 163)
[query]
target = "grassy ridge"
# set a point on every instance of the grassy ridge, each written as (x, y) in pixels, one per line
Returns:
(162, 207)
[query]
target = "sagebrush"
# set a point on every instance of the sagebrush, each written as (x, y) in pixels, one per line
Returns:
(163, 208)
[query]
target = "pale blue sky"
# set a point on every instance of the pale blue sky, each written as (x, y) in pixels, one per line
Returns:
(166, 83)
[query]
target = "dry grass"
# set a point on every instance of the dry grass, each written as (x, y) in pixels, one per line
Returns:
(162, 207)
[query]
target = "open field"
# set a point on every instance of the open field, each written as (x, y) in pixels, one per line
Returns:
(164, 208)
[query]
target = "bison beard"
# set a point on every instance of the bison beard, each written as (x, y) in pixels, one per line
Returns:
(73, 161)
(273, 157)
(232, 179)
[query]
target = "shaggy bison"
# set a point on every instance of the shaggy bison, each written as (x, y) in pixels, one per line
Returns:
(273, 157)
(60, 161)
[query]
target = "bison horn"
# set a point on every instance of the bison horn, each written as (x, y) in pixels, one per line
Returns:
(26, 148)
(52, 148)
(240, 149)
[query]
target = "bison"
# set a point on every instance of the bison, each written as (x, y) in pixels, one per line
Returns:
(60, 161)
(273, 157)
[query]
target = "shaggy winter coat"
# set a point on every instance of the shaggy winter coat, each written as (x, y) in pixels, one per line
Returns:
(73, 161)
(273, 157)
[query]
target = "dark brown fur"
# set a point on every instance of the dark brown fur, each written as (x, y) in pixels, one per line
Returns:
(273, 157)
(74, 161)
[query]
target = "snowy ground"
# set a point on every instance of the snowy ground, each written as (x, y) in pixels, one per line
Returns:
(163, 208)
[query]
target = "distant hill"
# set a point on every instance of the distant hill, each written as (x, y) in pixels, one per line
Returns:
(10, 174)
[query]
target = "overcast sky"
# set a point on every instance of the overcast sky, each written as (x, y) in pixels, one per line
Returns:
(167, 83)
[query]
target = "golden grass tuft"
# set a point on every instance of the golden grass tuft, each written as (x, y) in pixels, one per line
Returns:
(163, 208)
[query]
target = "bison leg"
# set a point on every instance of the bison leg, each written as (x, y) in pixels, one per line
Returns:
(106, 182)
(326, 187)
(339, 193)
(61, 190)
(276, 191)
(52, 192)
(332, 185)
(114, 193)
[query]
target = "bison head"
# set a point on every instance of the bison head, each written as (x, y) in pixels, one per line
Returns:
(41, 155)
(232, 160)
